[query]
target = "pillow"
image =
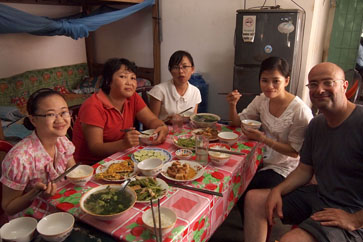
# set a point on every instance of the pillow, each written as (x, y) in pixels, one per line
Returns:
(90, 84)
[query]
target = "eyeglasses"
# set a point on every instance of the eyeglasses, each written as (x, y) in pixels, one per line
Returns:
(326, 84)
(177, 68)
(54, 116)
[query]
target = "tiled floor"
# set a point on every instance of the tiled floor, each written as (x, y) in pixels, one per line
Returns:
(231, 230)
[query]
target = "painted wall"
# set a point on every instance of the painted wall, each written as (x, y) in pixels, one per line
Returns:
(23, 52)
(206, 29)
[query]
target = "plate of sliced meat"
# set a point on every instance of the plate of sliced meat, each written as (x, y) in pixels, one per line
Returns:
(182, 170)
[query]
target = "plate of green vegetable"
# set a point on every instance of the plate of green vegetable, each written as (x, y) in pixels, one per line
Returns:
(147, 188)
(186, 141)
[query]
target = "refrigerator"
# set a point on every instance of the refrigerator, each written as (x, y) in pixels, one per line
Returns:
(261, 33)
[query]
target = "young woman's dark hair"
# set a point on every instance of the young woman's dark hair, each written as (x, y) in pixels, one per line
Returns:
(275, 63)
(111, 66)
(177, 57)
(33, 101)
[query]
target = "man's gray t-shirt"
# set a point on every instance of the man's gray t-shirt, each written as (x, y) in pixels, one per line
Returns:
(336, 155)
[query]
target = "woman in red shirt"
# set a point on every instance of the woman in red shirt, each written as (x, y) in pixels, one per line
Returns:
(96, 133)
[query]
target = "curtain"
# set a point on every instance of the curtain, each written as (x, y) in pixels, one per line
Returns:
(15, 21)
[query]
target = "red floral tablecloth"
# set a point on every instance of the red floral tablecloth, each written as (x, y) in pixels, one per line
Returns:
(199, 214)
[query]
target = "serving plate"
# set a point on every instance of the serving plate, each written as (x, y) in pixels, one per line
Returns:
(102, 168)
(196, 166)
(176, 140)
(204, 133)
(146, 153)
(163, 185)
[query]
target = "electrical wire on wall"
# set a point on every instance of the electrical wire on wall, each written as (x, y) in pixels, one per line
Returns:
(302, 36)
(264, 6)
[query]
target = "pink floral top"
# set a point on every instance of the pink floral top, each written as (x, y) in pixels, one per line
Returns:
(28, 163)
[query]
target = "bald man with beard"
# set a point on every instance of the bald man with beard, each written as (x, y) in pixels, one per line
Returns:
(332, 210)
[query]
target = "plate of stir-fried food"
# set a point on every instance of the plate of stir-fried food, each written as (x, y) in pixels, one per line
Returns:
(186, 141)
(210, 133)
(115, 171)
(147, 188)
(182, 170)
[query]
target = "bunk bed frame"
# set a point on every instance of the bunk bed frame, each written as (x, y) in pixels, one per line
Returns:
(152, 74)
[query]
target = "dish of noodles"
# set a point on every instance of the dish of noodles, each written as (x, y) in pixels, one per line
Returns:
(182, 170)
(118, 170)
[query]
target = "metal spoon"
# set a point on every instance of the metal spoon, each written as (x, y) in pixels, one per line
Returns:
(124, 184)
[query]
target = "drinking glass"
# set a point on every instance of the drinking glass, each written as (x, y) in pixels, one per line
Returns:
(201, 148)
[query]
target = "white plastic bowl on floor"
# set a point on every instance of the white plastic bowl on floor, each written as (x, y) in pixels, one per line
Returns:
(56, 227)
(19, 229)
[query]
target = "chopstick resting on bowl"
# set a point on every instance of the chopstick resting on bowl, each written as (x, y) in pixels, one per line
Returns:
(158, 234)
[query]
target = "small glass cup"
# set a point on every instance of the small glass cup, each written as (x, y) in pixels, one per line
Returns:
(177, 122)
(201, 148)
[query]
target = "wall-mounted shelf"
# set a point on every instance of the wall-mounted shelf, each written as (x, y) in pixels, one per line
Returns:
(74, 2)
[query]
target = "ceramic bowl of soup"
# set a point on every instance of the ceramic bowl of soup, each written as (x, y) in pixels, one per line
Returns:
(148, 137)
(204, 120)
(107, 202)
(80, 175)
(19, 229)
(167, 216)
(251, 124)
(56, 227)
(184, 154)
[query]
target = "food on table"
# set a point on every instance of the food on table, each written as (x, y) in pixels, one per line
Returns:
(181, 171)
(117, 171)
(147, 188)
(210, 133)
(108, 201)
(186, 142)
(146, 154)
(205, 118)
(219, 154)
(78, 173)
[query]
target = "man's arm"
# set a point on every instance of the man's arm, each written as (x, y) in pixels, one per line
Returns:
(339, 218)
(299, 177)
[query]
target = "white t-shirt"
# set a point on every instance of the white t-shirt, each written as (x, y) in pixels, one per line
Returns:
(289, 128)
(172, 102)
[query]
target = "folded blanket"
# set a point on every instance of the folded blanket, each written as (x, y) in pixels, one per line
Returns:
(16, 130)
(9, 113)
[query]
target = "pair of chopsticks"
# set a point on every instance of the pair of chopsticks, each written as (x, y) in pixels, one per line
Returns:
(243, 93)
(225, 151)
(60, 176)
(158, 236)
(167, 119)
(127, 130)
(195, 189)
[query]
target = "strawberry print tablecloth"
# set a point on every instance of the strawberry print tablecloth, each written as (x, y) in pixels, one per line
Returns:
(199, 214)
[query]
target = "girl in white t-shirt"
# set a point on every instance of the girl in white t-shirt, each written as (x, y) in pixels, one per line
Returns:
(284, 118)
(176, 95)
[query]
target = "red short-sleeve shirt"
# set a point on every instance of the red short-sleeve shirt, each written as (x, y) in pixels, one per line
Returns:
(98, 111)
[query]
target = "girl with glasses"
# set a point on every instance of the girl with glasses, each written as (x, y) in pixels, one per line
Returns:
(169, 98)
(31, 165)
(284, 118)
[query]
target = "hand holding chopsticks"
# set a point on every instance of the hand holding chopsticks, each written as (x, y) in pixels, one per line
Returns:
(157, 232)
(168, 118)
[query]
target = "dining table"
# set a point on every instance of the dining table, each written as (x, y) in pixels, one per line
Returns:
(198, 214)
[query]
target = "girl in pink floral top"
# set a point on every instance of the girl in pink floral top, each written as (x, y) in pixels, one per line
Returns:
(29, 167)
